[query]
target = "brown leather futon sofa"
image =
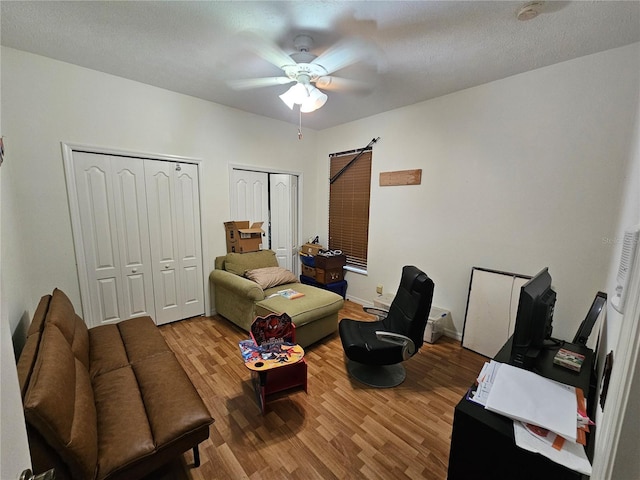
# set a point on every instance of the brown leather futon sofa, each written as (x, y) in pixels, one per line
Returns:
(110, 402)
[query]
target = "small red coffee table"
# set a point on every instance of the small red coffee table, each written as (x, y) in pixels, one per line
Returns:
(274, 368)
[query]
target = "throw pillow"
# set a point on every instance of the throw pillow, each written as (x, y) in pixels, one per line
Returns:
(268, 277)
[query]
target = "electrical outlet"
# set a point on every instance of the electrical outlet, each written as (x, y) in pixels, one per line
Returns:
(379, 289)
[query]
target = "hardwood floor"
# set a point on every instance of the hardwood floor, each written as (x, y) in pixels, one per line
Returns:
(340, 429)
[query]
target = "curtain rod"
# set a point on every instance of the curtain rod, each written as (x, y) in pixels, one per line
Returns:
(348, 152)
(362, 150)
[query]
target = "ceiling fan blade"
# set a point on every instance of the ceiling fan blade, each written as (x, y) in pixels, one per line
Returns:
(248, 83)
(341, 55)
(266, 49)
(338, 83)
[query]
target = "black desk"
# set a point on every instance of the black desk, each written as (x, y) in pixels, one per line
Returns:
(482, 442)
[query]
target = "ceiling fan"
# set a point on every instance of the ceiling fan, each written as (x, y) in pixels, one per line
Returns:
(309, 72)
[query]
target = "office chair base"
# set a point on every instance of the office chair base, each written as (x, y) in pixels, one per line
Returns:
(378, 376)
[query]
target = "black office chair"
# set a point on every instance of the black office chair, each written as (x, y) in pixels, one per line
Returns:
(375, 350)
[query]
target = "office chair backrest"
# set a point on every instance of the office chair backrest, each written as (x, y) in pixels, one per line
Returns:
(409, 311)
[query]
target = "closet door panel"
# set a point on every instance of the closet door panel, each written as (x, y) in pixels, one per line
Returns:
(282, 219)
(131, 207)
(108, 306)
(161, 204)
(162, 233)
(250, 197)
(189, 239)
(99, 237)
(135, 296)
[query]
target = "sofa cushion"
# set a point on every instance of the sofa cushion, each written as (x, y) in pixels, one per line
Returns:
(117, 345)
(27, 361)
(316, 303)
(29, 351)
(141, 338)
(106, 352)
(37, 322)
(239, 263)
(268, 277)
(59, 403)
(62, 314)
(124, 432)
(170, 416)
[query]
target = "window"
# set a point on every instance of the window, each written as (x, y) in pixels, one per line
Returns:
(349, 206)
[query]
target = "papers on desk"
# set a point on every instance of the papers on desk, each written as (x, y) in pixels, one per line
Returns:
(571, 455)
(531, 398)
(534, 401)
(485, 382)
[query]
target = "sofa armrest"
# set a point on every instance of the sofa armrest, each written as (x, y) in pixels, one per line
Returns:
(237, 284)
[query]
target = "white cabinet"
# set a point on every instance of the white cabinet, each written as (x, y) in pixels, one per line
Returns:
(137, 236)
(491, 310)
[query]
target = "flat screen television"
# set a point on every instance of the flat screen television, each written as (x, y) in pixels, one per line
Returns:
(533, 320)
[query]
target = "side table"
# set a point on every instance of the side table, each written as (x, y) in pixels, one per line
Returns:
(274, 368)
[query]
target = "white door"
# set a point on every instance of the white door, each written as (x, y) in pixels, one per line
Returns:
(133, 236)
(189, 239)
(250, 198)
(283, 196)
(174, 230)
(112, 209)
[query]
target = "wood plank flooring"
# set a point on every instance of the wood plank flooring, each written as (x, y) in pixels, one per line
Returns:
(340, 429)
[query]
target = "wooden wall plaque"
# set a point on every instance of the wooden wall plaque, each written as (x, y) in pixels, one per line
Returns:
(401, 177)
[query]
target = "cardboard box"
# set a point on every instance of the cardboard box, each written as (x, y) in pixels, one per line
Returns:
(311, 248)
(242, 238)
(330, 275)
(334, 261)
(308, 271)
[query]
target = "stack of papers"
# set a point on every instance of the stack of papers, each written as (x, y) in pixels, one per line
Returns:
(545, 412)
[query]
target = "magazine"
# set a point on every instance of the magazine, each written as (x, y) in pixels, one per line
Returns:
(290, 293)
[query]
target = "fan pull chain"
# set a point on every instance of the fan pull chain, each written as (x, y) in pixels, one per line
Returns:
(300, 125)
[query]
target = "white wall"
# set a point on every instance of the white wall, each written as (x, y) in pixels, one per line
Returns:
(14, 451)
(45, 102)
(626, 463)
(517, 174)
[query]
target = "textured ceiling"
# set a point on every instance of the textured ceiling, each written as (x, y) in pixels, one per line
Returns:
(416, 50)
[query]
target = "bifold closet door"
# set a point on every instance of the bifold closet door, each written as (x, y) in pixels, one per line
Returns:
(174, 229)
(250, 198)
(283, 199)
(115, 239)
(271, 198)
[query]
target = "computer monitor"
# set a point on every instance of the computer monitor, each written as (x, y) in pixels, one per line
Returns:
(533, 320)
(582, 335)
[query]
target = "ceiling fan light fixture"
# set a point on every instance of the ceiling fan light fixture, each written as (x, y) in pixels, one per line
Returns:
(316, 100)
(297, 94)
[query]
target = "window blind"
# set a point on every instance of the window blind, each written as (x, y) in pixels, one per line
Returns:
(349, 207)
